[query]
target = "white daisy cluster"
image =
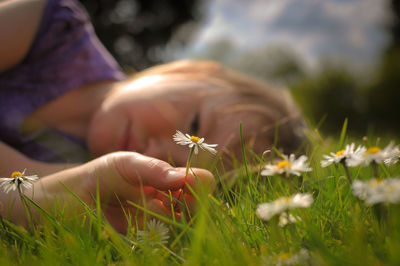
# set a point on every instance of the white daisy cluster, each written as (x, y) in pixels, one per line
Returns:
(378, 190)
(268, 210)
(376, 155)
(17, 179)
(300, 258)
(361, 155)
(345, 155)
(395, 156)
(156, 233)
(289, 166)
(193, 141)
(285, 219)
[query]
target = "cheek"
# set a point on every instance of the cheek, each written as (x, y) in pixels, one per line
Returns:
(103, 133)
(156, 119)
(166, 150)
(224, 134)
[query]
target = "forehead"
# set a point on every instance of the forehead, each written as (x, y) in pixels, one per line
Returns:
(172, 83)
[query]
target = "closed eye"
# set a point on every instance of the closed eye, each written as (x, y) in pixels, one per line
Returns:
(195, 125)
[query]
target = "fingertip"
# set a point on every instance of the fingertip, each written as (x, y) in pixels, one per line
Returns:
(200, 179)
(174, 179)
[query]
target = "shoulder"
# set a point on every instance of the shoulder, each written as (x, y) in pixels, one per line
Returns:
(15, 40)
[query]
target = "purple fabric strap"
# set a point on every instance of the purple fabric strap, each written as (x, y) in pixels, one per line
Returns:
(64, 55)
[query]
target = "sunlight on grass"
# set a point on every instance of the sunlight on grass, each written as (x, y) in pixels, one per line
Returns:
(338, 225)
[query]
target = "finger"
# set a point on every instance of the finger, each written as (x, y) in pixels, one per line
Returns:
(132, 193)
(138, 169)
(117, 217)
(157, 206)
(190, 202)
(199, 180)
(171, 199)
(178, 201)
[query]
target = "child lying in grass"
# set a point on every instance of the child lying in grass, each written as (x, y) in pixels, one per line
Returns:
(69, 115)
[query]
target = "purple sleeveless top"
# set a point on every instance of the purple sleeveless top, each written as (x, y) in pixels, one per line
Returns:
(64, 55)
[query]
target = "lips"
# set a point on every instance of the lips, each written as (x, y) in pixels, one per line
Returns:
(128, 141)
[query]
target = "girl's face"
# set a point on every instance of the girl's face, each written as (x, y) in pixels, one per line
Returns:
(142, 116)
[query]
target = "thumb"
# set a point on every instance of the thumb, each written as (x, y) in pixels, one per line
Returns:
(141, 170)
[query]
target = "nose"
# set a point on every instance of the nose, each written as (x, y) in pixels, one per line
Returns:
(167, 150)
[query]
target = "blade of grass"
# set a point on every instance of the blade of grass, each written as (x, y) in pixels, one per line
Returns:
(342, 134)
(48, 216)
(158, 216)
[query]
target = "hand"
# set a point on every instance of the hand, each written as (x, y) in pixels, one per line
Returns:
(130, 176)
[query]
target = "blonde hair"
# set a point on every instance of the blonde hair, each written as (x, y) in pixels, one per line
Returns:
(279, 112)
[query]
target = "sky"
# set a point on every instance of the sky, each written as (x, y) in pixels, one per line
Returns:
(351, 30)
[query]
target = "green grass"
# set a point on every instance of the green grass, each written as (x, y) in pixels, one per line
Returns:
(338, 228)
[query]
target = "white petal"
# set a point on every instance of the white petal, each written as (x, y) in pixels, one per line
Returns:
(209, 148)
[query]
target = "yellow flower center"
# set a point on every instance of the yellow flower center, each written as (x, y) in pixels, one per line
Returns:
(285, 256)
(194, 139)
(153, 235)
(287, 199)
(16, 174)
(375, 182)
(283, 164)
(373, 150)
(340, 153)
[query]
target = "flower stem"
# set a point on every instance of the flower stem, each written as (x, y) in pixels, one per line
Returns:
(347, 173)
(26, 207)
(189, 160)
(375, 169)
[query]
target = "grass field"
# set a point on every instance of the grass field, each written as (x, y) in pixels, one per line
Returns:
(338, 228)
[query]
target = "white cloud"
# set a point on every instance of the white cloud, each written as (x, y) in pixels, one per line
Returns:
(349, 29)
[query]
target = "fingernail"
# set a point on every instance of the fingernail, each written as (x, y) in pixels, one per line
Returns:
(173, 174)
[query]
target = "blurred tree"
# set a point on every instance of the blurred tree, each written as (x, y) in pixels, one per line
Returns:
(332, 94)
(221, 50)
(384, 93)
(135, 31)
(276, 64)
(336, 94)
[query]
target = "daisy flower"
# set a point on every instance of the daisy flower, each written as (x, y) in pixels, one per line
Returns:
(193, 141)
(343, 155)
(374, 154)
(156, 233)
(289, 166)
(394, 158)
(377, 190)
(17, 178)
(269, 209)
(300, 258)
(285, 219)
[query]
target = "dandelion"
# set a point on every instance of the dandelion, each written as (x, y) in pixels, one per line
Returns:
(268, 210)
(374, 155)
(194, 142)
(16, 180)
(343, 155)
(377, 190)
(289, 166)
(156, 233)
